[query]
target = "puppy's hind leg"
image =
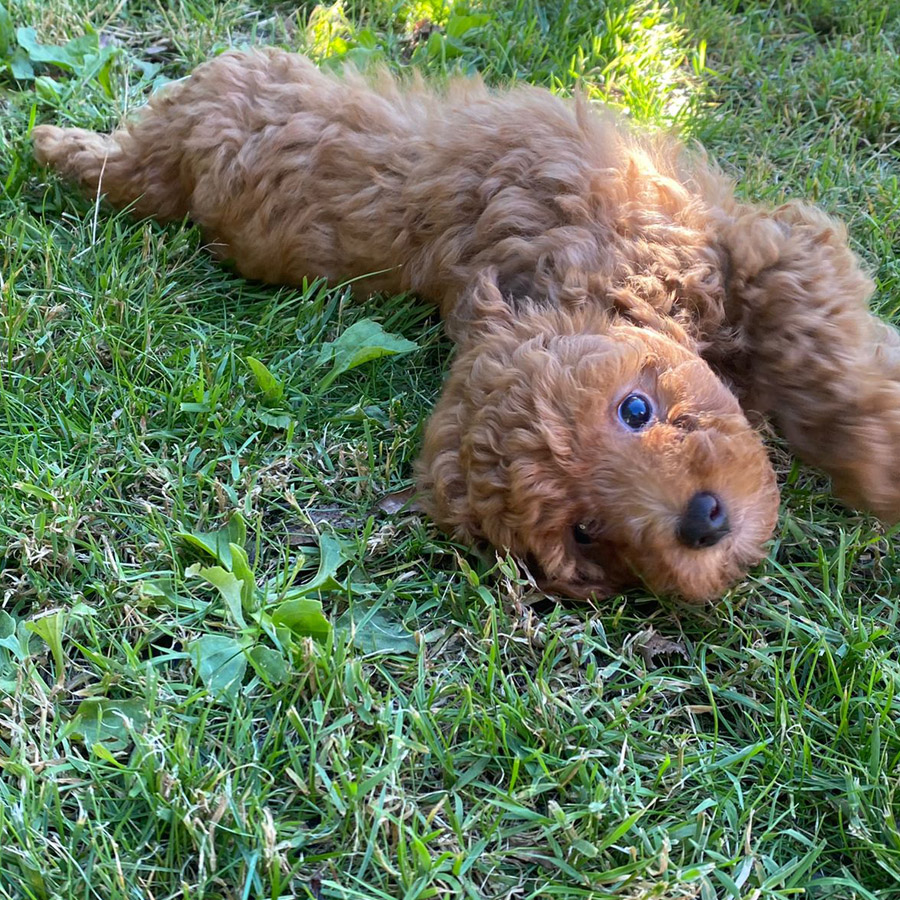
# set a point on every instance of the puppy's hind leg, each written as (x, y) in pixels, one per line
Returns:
(816, 360)
(139, 164)
(74, 152)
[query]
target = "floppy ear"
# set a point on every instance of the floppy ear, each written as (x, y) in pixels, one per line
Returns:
(482, 440)
(470, 319)
(465, 490)
(480, 310)
(458, 478)
(814, 357)
(439, 474)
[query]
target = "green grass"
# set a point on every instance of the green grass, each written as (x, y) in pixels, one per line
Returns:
(454, 734)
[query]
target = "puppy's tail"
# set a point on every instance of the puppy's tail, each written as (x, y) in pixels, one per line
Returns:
(139, 165)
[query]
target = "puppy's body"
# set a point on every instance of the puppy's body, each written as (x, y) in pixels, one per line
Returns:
(577, 266)
(293, 173)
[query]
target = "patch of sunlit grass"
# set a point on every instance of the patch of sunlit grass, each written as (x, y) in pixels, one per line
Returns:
(642, 61)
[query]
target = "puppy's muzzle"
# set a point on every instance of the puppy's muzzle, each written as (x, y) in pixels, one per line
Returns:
(704, 523)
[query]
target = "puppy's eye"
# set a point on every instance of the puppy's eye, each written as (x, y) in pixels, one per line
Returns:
(580, 533)
(635, 411)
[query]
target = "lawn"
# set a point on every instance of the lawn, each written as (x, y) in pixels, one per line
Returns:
(230, 667)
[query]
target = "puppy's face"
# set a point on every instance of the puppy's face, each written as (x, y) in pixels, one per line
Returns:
(602, 459)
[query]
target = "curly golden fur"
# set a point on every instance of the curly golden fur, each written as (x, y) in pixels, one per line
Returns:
(578, 266)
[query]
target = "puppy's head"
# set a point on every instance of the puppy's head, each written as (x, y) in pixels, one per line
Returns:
(602, 454)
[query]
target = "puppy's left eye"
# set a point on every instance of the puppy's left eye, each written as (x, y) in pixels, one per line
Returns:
(635, 411)
(581, 535)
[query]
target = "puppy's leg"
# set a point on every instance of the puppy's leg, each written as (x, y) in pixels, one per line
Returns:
(138, 165)
(816, 360)
(290, 172)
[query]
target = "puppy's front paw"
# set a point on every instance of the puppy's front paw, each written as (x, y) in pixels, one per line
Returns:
(865, 459)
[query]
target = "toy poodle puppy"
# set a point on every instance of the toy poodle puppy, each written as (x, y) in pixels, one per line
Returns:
(614, 306)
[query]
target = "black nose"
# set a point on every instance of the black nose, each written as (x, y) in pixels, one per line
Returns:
(704, 523)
